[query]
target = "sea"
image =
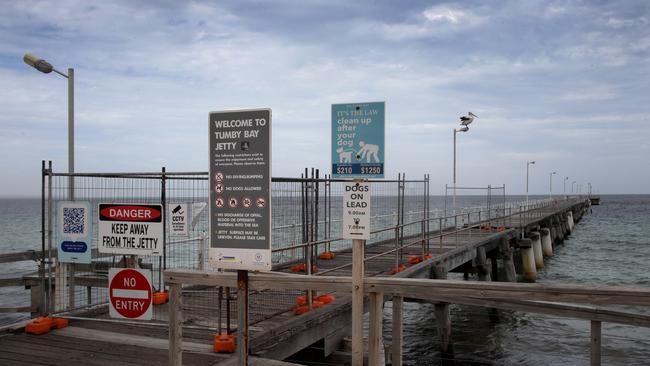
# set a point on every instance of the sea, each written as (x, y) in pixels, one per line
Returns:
(609, 247)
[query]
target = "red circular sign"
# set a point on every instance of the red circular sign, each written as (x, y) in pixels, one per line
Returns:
(130, 293)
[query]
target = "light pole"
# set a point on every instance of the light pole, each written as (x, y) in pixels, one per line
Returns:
(45, 67)
(564, 190)
(572, 183)
(456, 130)
(550, 190)
(528, 163)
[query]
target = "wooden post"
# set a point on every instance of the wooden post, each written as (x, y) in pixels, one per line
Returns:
(175, 325)
(397, 331)
(481, 261)
(242, 317)
(595, 342)
(357, 301)
(71, 285)
(508, 263)
(443, 319)
(375, 333)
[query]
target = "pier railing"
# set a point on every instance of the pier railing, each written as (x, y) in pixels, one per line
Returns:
(559, 300)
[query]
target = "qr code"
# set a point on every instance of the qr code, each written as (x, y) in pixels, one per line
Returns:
(73, 220)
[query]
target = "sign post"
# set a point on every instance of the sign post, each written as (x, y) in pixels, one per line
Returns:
(358, 139)
(356, 226)
(240, 201)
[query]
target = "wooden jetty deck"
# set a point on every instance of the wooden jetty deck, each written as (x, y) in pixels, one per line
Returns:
(275, 332)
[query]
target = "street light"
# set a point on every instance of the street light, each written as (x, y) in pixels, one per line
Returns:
(564, 191)
(463, 128)
(528, 163)
(45, 67)
(550, 191)
(572, 183)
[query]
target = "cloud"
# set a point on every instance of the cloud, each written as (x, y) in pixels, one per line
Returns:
(544, 77)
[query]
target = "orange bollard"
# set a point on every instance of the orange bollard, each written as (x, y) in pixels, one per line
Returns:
(40, 325)
(160, 297)
(397, 269)
(59, 323)
(326, 299)
(301, 300)
(224, 343)
(326, 256)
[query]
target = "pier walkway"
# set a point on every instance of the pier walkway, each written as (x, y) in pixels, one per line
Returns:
(483, 247)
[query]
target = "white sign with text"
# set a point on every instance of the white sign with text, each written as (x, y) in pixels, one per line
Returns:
(356, 211)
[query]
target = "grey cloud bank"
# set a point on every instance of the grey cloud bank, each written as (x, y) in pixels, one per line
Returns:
(564, 83)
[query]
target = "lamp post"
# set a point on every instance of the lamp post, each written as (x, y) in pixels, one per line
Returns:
(528, 163)
(572, 183)
(456, 130)
(564, 190)
(45, 67)
(550, 190)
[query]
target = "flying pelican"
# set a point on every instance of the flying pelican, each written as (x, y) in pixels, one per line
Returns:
(466, 120)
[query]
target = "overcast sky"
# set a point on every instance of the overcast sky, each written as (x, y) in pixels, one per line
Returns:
(564, 83)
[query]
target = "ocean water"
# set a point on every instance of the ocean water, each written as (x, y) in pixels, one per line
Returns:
(610, 246)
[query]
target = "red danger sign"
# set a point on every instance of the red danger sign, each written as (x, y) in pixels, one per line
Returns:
(130, 293)
(142, 213)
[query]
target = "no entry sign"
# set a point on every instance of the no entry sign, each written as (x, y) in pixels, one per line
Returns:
(130, 228)
(130, 293)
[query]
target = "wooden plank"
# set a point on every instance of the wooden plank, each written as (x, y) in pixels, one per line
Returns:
(9, 282)
(18, 309)
(357, 300)
(412, 287)
(128, 338)
(595, 342)
(242, 317)
(28, 255)
(397, 331)
(375, 332)
(175, 325)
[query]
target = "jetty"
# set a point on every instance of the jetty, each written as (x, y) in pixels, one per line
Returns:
(305, 303)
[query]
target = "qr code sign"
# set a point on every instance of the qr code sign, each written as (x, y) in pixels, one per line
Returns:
(73, 220)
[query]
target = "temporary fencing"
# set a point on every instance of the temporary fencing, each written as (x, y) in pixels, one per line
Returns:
(306, 223)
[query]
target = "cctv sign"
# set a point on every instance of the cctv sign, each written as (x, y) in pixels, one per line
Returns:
(356, 211)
